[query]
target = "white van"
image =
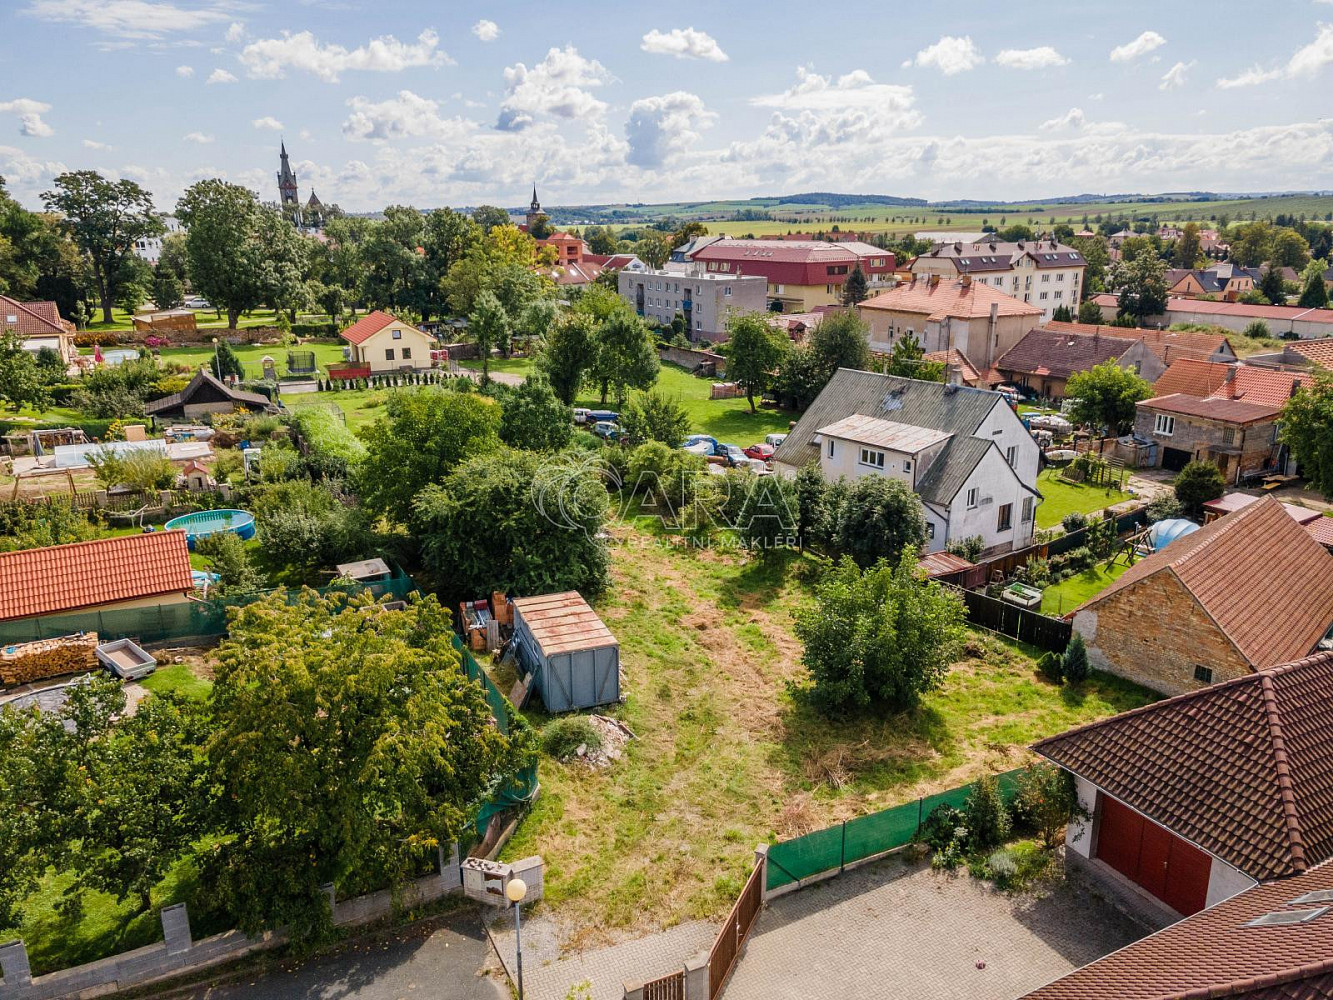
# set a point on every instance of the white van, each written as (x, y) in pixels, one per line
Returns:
(580, 415)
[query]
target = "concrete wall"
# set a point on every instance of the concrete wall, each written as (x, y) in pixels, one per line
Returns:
(690, 360)
(1307, 324)
(1154, 633)
(1225, 882)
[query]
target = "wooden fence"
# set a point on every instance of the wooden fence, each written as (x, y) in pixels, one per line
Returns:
(740, 921)
(1018, 623)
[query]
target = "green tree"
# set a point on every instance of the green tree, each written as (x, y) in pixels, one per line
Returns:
(489, 327)
(856, 289)
(1251, 244)
(1090, 312)
(568, 354)
(1141, 284)
(447, 238)
(601, 240)
(1307, 427)
(687, 232)
(877, 518)
(1074, 664)
(533, 418)
(878, 640)
(168, 291)
(541, 227)
(655, 416)
(1047, 799)
(1063, 314)
(145, 471)
(755, 348)
(226, 259)
(488, 217)
(908, 360)
(228, 557)
(1196, 484)
(307, 525)
(1272, 286)
(841, 340)
(104, 219)
(1314, 293)
(769, 518)
(1097, 256)
(134, 284)
(1104, 397)
(543, 520)
(342, 754)
(393, 273)
(1186, 252)
(626, 357)
(653, 248)
(1290, 249)
(21, 380)
(420, 438)
(224, 362)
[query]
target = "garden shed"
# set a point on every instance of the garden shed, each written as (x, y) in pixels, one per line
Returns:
(572, 656)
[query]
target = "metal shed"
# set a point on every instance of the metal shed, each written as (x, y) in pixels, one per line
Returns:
(572, 655)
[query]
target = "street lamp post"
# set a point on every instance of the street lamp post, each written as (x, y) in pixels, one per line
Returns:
(514, 892)
(217, 361)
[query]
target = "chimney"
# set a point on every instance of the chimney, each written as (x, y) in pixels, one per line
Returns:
(957, 247)
(934, 280)
(993, 334)
(1295, 386)
(967, 282)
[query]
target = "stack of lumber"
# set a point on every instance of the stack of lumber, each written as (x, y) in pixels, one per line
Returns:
(35, 661)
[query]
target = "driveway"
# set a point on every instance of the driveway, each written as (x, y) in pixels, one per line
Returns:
(895, 931)
(439, 960)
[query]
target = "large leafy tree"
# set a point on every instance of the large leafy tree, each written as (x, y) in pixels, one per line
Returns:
(285, 263)
(1307, 427)
(347, 746)
(655, 416)
(1141, 283)
(653, 248)
(878, 640)
(487, 264)
(626, 357)
(876, 518)
(533, 417)
(447, 238)
(393, 275)
(1314, 293)
(755, 348)
(568, 354)
(543, 520)
(841, 340)
(226, 259)
(418, 441)
(489, 327)
(1103, 397)
(104, 219)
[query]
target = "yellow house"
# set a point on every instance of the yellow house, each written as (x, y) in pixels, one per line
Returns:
(381, 343)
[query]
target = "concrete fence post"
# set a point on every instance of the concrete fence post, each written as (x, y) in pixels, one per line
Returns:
(633, 990)
(14, 968)
(331, 892)
(176, 929)
(451, 874)
(761, 864)
(696, 977)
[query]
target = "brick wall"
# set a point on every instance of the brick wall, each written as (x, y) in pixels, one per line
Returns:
(1154, 633)
(1196, 435)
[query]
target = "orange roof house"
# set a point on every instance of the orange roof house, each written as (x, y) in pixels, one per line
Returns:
(1250, 383)
(105, 573)
(380, 342)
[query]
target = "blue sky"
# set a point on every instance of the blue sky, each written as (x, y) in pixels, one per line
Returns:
(400, 101)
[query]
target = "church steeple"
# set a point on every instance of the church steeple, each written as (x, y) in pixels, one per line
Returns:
(534, 209)
(287, 194)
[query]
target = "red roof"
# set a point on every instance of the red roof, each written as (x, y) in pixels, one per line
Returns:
(1167, 345)
(1251, 383)
(1319, 352)
(952, 298)
(796, 262)
(84, 574)
(367, 326)
(30, 319)
(563, 623)
(1108, 300)
(1232, 411)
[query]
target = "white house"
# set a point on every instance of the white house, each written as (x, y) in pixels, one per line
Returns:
(963, 451)
(1043, 273)
(379, 343)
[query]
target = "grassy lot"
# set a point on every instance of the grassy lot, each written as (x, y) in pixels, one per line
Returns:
(362, 406)
(204, 319)
(252, 355)
(1070, 593)
(1063, 497)
(181, 678)
(728, 756)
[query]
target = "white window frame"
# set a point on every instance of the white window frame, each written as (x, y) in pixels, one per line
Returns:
(973, 498)
(872, 459)
(907, 465)
(1164, 425)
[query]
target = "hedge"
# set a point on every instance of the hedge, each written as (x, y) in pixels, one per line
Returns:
(91, 427)
(325, 433)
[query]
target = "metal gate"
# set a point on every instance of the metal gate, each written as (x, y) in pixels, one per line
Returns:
(727, 947)
(671, 987)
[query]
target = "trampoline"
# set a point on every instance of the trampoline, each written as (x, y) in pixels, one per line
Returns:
(203, 523)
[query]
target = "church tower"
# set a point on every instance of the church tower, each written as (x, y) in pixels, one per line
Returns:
(535, 209)
(291, 202)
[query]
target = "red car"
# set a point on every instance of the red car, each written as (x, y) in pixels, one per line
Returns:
(763, 452)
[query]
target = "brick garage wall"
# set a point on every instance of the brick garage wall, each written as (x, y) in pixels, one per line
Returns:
(1154, 633)
(1196, 435)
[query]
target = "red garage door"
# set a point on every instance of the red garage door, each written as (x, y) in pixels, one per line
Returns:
(1171, 869)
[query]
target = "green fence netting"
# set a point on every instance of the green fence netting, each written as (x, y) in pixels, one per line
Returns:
(865, 836)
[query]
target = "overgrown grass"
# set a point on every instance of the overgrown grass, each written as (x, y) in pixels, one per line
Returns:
(1068, 594)
(729, 754)
(1062, 497)
(178, 678)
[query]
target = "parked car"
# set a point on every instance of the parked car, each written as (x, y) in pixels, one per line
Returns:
(581, 415)
(763, 452)
(609, 416)
(733, 455)
(607, 429)
(197, 302)
(710, 444)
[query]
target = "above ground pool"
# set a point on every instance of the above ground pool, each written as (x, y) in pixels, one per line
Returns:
(203, 523)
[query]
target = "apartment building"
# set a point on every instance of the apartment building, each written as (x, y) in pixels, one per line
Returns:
(801, 274)
(706, 299)
(1043, 273)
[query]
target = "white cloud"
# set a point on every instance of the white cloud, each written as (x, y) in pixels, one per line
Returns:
(407, 115)
(30, 116)
(1041, 57)
(94, 144)
(487, 31)
(950, 55)
(270, 58)
(660, 128)
(128, 19)
(202, 138)
(185, 72)
(1176, 76)
(221, 76)
(235, 32)
(820, 110)
(268, 122)
(683, 43)
(556, 86)
(1073, 118)
(1141, 46)
(305, 134)
(1305, 62)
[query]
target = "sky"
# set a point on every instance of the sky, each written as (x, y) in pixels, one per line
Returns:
(443, 103)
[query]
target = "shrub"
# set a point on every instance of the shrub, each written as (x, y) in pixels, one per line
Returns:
(1046, 801)
(878, 518)
(229, 559)
(562, 737)
(89, 338)
(969, 548)
(655, 416)
(1051, 666)
(1162, 507)
(1074, 521)
(941, 826)
(324, 431)
(305, 525)
(986, 815)
(1258, 330)
(1074, 664)
(1197, 483)
(138, 470)
(1079, 559)
(1002, 867)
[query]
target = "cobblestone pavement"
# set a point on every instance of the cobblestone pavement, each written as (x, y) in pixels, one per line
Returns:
(547, 976)
(902, 932)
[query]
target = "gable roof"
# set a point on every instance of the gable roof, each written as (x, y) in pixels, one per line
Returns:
(1251, 383)
(82, 574)
(1257, 573)
(1232, 411)
(954, 358)
(31, 319)
(954, 299)
(952, 468)
(1215, 953)
(367, 326)
(956, 409)
(1057, 354)
(1239, 768)
(1167, 345)
(204, 377)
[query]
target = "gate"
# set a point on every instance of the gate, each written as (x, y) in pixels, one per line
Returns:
(670, 987)
(727, 947)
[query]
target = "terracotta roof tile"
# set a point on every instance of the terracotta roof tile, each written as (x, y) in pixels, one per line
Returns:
(1251, 383)
(83, 574)
(1216, 954)
(1319, 352)
(1236, 411)
(367, 326)
(1057, 354)
(948, 298)
(1283, 604)
(31, 319)
(957, 359)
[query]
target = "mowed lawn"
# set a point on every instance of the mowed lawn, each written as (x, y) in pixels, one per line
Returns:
(1068, 594)
(727, 756)
(203, 319)
(1061, 497)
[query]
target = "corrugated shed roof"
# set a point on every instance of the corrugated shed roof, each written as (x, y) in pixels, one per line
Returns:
(942, 564)
(1215, 954)
(1235, 411)
(1257, 573)
(83, 574)
(884, 433)
(563, 623)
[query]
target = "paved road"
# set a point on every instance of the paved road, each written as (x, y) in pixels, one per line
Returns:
(440, 961)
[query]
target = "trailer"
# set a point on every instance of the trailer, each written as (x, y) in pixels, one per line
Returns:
(572, 657)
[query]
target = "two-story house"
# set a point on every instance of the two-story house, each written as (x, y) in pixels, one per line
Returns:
(1043, 273)
(1238, 436)
(801, 274)
(962, 451)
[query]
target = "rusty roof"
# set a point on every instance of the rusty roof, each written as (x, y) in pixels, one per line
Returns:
(1232, 411)
(942, 564)
(85, 574)
(1239, 768)
(1216, 953)
(1257, 573)
(563, 623)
